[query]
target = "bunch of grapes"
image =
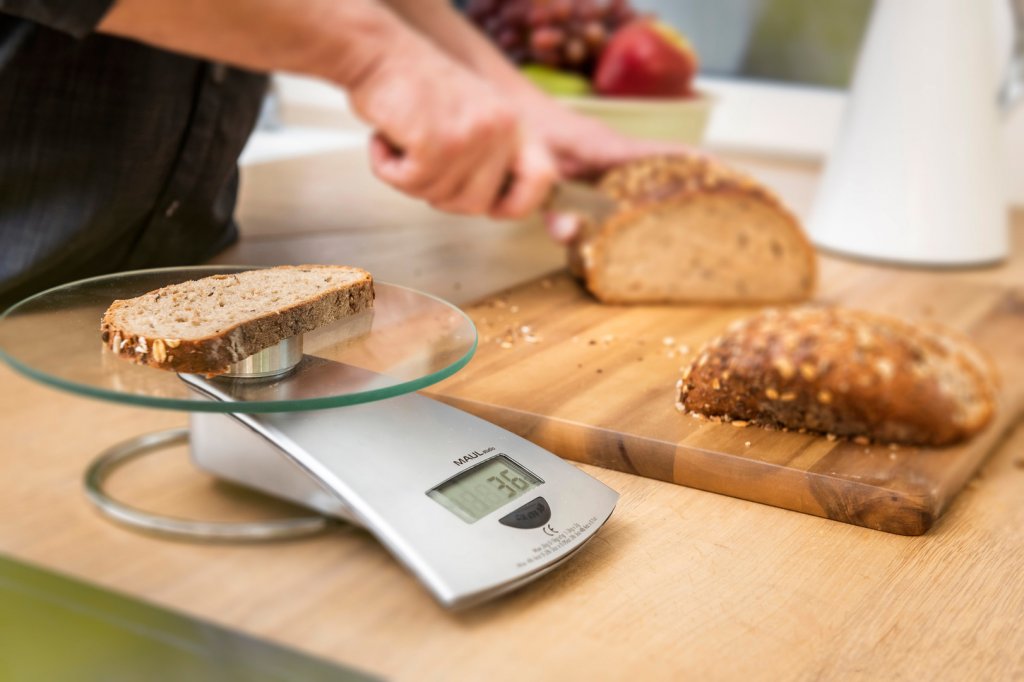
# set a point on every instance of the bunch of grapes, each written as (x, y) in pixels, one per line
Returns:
(563, 34)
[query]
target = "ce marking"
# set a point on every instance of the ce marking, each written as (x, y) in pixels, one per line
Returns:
(549, 530)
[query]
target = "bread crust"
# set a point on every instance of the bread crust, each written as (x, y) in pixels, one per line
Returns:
(664, 182)
(214, 353)
(843, 372)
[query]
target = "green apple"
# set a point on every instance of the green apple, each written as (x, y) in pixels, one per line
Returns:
(555, 82)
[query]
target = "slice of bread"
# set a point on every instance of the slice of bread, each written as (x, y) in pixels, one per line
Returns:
(205, 325)
(843, 372)
(690, 229)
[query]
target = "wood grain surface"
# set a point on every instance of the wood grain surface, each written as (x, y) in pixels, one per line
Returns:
(680, 584)
(595, 383)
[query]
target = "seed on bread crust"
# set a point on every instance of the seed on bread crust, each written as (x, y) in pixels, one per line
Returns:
(854, 374)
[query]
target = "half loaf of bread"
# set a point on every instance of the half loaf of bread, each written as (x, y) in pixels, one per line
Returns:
(690, 229)
(843, 372)
(205, 325)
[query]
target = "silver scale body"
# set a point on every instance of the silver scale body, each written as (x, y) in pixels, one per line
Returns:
(373, 464)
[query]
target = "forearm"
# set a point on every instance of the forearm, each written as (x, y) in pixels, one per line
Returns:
(337, 40)
(443, 24)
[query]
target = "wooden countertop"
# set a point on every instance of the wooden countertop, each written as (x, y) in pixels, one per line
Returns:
(680, 583)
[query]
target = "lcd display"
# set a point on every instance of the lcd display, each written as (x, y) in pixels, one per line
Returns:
(489, 485)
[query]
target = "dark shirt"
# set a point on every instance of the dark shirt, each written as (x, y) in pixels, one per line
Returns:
(113, 155)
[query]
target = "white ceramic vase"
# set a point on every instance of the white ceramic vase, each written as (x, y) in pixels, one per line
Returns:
(915, 176)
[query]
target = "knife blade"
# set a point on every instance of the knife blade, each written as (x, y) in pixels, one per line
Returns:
(582, 201)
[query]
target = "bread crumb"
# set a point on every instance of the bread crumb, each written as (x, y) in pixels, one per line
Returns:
(739, 423)
(506, 344)
(746, 444)
(668, 341)
(513, 309)
(830, 436)
(862, 440)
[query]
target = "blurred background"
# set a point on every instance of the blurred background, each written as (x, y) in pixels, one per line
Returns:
(777, 70)
(789, 41)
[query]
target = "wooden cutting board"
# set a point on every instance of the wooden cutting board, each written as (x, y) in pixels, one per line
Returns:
(596, 384)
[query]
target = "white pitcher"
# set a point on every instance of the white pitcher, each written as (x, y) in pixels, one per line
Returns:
(916, 174)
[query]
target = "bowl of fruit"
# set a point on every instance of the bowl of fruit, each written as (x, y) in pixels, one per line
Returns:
(599, 57)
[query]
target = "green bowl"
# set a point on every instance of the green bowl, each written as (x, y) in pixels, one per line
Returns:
(673, 120)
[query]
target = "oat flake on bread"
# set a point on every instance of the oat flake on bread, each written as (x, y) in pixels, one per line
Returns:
(844, 372)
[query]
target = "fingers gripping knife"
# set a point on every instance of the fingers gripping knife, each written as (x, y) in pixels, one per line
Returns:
(471, 509)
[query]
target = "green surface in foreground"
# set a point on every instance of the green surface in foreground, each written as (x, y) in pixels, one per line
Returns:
(56, 629)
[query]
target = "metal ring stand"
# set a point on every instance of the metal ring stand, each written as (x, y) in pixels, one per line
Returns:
(268, 363)
(183, 529)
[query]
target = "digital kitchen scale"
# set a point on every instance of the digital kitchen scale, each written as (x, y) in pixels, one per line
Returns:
(331, 420)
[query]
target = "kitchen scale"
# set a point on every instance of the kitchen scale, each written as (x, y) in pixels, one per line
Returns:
(331, 420)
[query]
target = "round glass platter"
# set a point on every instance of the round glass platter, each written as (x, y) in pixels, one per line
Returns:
(408, 341)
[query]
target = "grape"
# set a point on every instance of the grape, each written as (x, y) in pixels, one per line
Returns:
(547, 39)
(595, 34)
(514, 12)
(588, 10)
(575, 51)
(562, 10)
(539, 15)
(508, 39)
(564, 34)
(477, 10)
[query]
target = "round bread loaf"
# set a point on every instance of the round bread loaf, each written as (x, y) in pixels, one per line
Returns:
(690, 229)
(843, 372)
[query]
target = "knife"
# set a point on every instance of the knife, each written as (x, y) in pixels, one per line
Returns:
(570, 209)
(582, 200)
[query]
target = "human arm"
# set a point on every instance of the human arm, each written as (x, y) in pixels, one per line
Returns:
(583, 147)
(458, 139)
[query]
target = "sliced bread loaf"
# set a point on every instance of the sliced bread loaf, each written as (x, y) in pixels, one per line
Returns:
(843, 372)
(690, 229)
(205, 325)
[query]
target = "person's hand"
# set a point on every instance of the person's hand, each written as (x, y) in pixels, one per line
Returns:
(446, 136)
(583, 147)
